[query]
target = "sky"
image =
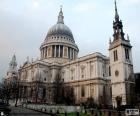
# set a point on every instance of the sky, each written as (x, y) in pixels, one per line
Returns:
(24, 25)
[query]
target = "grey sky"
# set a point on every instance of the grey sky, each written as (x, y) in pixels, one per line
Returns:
(24, 25)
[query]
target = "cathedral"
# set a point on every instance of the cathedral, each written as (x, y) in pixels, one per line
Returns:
(95, 75)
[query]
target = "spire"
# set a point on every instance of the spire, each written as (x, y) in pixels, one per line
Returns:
(117, 26)
(128, 37)
(60, 16)
(13, 63)
(116, 12)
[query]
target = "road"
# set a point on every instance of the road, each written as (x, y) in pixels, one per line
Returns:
(19, 111)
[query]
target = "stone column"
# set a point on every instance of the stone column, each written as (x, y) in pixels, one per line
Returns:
(70, 53)
(51, 52)
(67, 52)
(43, 52)
(55, 51)
(59, 52)
(63, 52)
(87, 70)
(73, 55)
(46, 52)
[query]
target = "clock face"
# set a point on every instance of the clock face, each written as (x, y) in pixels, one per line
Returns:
(116, 73)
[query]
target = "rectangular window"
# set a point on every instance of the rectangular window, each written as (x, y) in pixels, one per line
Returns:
(61, 51)
(69, 52)
(57, 51)
(82, 72)
(82, 91)
(126, 53)
(91, 70)
(53, 51)
(115, 55)
(109, 71)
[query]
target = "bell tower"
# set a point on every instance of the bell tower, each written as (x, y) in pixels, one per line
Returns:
(122, 79)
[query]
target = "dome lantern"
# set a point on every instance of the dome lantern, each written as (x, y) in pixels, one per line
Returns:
(60, 17)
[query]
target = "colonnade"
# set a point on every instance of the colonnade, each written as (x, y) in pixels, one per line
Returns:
(58, 51)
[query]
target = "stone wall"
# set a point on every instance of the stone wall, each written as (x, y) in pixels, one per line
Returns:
(53, 108)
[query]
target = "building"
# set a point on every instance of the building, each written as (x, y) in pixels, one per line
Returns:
(137, 87)
(12, 72)
(106, 79)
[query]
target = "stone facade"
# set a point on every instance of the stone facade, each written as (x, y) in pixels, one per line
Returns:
(94, 75)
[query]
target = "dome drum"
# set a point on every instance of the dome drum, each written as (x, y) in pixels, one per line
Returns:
(59, 51)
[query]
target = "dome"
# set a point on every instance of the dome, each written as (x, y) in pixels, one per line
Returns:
(59, 44)
(60, 28)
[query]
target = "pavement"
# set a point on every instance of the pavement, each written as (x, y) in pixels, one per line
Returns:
(19, 111)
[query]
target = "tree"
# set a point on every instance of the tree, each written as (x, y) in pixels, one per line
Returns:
(62, 93)
(58, 86)
(5, 92)
(9, 90)
(69, 97)
(90, 102)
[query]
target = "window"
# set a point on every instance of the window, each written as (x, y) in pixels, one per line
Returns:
(57, 51)
(115, 55)
(44, 79)
(82, 91)
(126, 53)
(82, 72)
(72, 74)
(109, 71)
(53, 50)
(61, 51)
(91, 70)
(69, 52)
